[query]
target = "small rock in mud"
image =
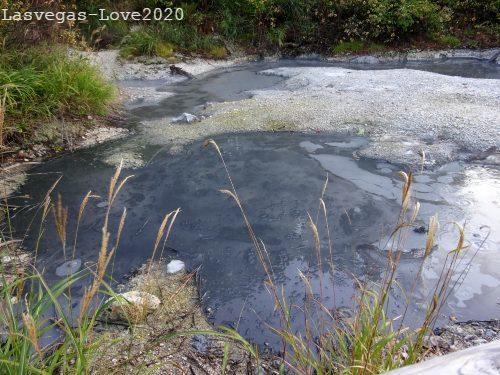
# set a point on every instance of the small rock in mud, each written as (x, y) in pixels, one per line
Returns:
(101, 134)
(365, 60)
(175, 266)
(187, 118)
(200, 343)
(420, 229)
(462, 335)
(132, 306)
(69, 267)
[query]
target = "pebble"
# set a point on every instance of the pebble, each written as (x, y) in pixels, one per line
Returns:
(69, 267)
(479, 341)
(133, 306)
(200, 343)
(186, 118)
(175, 266)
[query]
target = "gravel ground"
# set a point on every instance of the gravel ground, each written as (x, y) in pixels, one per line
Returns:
(146, 68)
(402, 111)
(463, 335)
(406, 113)
(492, 54)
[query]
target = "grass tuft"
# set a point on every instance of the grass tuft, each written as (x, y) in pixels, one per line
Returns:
(43, 83)
(371, 341)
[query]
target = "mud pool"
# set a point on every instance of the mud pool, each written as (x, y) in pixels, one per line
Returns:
(279, 177)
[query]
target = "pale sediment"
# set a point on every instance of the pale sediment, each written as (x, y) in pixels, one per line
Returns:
(405, 113)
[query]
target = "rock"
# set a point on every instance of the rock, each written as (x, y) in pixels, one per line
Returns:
(200, 343)
(175, 266)
(436, 342)
(132, 306)
(69, 267)
(421, 229)
(365, 60)
(479, 341)
(186, 118)
(489, 334)
(12, 260)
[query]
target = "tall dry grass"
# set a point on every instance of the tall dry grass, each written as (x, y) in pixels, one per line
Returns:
(3, 98)
(371, 341)
(28, 303)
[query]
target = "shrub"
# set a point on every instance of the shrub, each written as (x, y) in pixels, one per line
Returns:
(218, 52)
(164, 49)
(45, 82)
(139, 43)
(348, 47)
(448, 40)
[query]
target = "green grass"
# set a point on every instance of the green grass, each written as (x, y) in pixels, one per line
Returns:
(41, 83)
(357, 46)
(218, 52)
(447, 40)
(164, 40)
(143, 43)
(29, 307)
(348, 47)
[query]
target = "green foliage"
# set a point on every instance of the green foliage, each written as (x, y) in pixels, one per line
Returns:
(348, 47)
(41, 330)
(357, 46)
(269, 24)
(162, 39)
(43, 83)
(139, 43)
(318, 24)
(218, 52)
(187, 39)
(448, 40)
(21, 351)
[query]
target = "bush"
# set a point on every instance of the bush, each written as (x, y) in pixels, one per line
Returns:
(43, 82)
(448, 40)
(348, 47)
(218, 52)
(139, 43)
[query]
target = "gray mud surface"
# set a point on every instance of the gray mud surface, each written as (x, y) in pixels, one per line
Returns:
(283, 127)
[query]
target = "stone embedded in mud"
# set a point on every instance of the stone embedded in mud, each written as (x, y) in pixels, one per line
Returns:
(186, 118)
(200, 343)
(433, 341)
(132, 307)
(365, 60)
(69, 267)
(175, 266)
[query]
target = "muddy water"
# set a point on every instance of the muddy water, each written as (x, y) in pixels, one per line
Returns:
(279, 177)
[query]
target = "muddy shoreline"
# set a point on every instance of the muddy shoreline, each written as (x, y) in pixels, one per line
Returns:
(150, 69)
(452, 337)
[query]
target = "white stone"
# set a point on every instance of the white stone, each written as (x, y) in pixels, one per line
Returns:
(186, 117)
(175, 266)
(69, 267)
(132, 306)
